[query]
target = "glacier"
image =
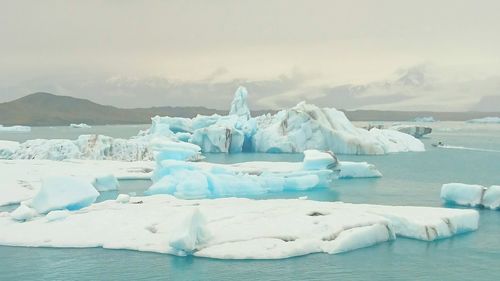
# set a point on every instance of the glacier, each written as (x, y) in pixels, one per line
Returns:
(232, 228)
(472, 195)
(302, 127)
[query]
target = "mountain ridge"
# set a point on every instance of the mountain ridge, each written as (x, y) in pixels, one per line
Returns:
(46, 109)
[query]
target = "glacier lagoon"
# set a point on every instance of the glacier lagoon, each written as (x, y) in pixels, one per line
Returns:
(409, 179)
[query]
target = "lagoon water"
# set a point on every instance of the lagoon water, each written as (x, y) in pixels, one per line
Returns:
(409, 179)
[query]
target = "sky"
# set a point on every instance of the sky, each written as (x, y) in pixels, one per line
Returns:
(385, 54)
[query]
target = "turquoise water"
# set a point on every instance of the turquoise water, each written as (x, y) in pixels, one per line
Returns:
(409, 179)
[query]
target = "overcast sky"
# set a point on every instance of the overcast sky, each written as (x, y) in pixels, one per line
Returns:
(408, 55)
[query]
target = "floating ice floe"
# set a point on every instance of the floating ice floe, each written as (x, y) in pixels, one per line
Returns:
(297, 129)
(18, 129)
(472, 195)
(235, 228)
(416, 131)
(485, 120)
(80, 126)
(21, 179)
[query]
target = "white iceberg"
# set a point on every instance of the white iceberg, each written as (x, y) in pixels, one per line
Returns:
(17, 129)
(23, 213)
(106, 183)
(358, 170)
(485, 120)
(300, 128)
(58, 193)
(80, 126)
(99, 147)
(472, 195)
(236, 228)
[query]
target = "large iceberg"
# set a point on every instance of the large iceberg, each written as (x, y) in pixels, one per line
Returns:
(297, 129)
(234, 228)
(7, 148)
(99, 147)
(472, 195)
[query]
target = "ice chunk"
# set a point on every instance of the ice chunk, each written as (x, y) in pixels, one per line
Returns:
(358, 170)
(425, 119)
(64, 192)
(123, 198)
(239, 106)
(167, 149)
(23, 213)
(7, 148)
(416, 131)
(57, 215)
(106, 183)
(317, 160)
(193, 233)
(471, 195)
(80, 126)
(462, 194)
(18, 129)
(236, 228)
(491, 198)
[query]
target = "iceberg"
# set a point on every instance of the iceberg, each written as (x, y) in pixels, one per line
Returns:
(358, 170)
(293, 130)
(99, 147)
(106, 183)
(485, 120)
(23, 213)
(63, 192)
(80, 126)
(416, 131)
(17, 129)
(472, 195)
(201, 180)
(236, 228)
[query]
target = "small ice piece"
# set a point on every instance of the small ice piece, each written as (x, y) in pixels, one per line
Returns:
(192, 233)
(167, 149)
(491, 198)
(80, 126)
(57, 215)
(23, 213)
(64, 192)
(123, 198)
(462, 194)
(425, 119)
(358, 170)
(16, 129)
(106, 183)
(318, 160)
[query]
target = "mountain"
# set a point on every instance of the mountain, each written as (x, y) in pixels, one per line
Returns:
(44, 109)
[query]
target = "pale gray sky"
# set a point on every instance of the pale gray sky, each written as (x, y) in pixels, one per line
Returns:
(347, 54)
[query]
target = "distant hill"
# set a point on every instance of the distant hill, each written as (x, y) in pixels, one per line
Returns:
(44, 109)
